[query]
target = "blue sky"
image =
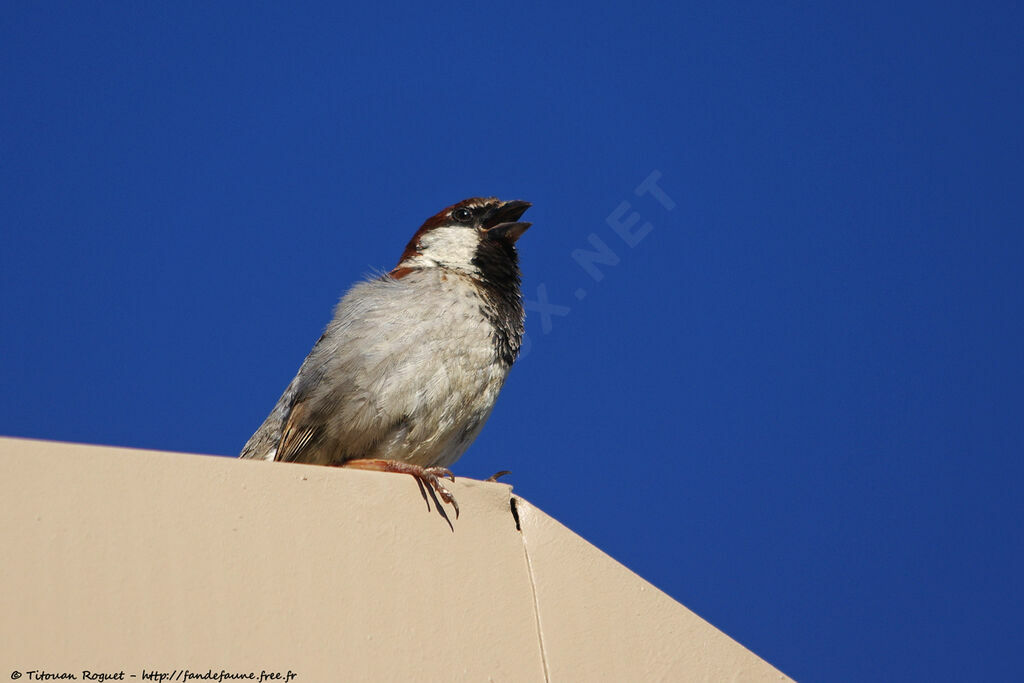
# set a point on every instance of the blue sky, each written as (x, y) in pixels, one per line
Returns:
(795, 404)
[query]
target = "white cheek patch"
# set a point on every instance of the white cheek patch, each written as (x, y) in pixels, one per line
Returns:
(454, 247)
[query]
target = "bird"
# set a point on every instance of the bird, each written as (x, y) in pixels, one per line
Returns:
(408, 370)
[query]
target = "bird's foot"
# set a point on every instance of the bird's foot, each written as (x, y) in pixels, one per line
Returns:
(428, 476)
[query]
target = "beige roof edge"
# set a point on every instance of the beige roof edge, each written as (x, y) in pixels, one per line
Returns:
(131, 560)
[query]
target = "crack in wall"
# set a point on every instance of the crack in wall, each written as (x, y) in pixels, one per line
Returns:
(533, 589)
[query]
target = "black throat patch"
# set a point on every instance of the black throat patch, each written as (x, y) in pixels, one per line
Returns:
(501, 300)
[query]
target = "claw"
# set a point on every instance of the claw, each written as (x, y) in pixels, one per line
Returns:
(446, 496)
(428, 476)
(432, 477)
(497, 475)
(440, 472)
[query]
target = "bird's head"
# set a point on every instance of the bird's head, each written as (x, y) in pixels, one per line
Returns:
(477, 236)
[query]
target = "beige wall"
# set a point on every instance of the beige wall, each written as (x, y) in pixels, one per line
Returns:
(124, 560)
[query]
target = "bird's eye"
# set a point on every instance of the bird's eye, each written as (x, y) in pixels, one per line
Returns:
(462, 215)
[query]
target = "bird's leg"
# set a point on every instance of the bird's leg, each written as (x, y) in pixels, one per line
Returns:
(431, 476)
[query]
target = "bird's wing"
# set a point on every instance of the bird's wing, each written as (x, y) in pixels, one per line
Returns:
(299, 433)
(300, 430)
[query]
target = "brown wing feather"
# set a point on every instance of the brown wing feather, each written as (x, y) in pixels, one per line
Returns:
(298, 436)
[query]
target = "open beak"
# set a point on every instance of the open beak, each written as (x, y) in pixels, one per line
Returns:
(502, 222)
